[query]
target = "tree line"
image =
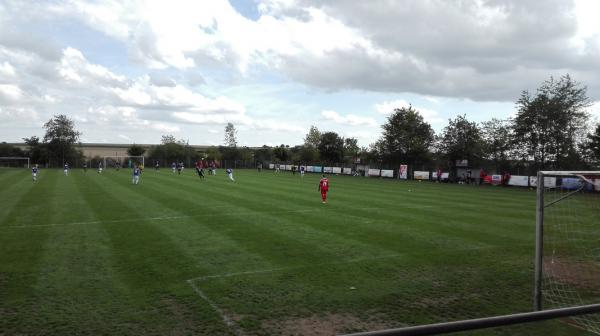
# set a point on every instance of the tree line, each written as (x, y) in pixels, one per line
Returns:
(550, 131)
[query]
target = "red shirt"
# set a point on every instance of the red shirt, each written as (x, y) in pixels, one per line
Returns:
(324, 184)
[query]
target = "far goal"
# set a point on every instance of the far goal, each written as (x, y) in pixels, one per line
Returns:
(567, 262)
(14, 162)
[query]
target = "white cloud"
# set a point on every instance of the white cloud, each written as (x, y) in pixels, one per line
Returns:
(6, 70)
(10, 92)
(429, 115)
(595, 109)
(280, 125)
(350, 119)
(388, 107)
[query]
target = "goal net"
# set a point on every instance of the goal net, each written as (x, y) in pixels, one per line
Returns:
(568, 243)
(119, 162)
(14, 162)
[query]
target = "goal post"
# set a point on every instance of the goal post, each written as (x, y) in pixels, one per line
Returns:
(123, 161)
(14, 161)
(567, 242)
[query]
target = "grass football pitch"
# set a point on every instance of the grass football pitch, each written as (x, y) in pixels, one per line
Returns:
(175, 255)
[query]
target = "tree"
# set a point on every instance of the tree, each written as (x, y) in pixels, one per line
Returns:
(331, 147)
(313, 137)
(550, 126)
(10, 150)
(60, 139)
(172, 150)
(281, 153)
(36, 150)
(230, 135)
(497, 142)
(592, 147)
(263, 154)
(135, 150)
(213, 153)
(308, 154)
(460, 140)
(406, 138)
(351, 148)
(167, 139)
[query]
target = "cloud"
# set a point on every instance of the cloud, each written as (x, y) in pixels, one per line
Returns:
(481, 50)
(10, 93)
(595, 109)
(429, 115)
(350, 119)
(389, 106)
(6, 70)
(158, 79)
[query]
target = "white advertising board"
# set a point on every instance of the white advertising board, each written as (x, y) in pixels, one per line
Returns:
(347, 171)
(520, 181)
(549, 181)
(309, 169)
(387, 173)
(337, 170)
(327, 169)
(444, 175)
(496, 179)
(421, 175)
(373, 172)
(271, 166)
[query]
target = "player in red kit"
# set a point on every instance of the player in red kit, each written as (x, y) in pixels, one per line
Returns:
(323, 188)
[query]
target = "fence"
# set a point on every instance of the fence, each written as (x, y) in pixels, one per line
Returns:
(483, 323)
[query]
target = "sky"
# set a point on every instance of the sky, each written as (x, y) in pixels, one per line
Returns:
(132, 71)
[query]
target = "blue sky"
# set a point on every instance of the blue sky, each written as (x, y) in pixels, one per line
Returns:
(131, 71)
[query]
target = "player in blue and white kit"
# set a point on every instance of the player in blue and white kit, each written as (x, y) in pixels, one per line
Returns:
(34, 172)
(100, 168)
(136, 175)
(229, 172)
(66, 169)
(302, 169)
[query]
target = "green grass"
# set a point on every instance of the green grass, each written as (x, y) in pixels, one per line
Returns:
(94, 254)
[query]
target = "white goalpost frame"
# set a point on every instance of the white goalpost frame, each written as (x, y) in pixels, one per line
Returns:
(122, 156)
(17, 158)
(539, 227)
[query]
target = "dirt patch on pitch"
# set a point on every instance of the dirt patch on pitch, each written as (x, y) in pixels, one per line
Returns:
(322, 325)
(584, 275)
(180, 314)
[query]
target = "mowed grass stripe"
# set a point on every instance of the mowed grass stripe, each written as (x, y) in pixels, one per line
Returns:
(22, 252)
(281, 199)
(152, 266)
(76, 287)
(257, 231)
(434, 253)
(16, 186)
(201, 235)
(284, 200)
(350, 244)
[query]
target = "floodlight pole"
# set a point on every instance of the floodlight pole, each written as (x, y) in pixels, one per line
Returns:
(539, 242)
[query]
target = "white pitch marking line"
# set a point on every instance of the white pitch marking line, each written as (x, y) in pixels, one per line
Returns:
(232, 324)
(226, 318)
(228, 321)
(189, 216)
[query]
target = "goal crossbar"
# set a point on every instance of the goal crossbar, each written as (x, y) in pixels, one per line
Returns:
(16, 158)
